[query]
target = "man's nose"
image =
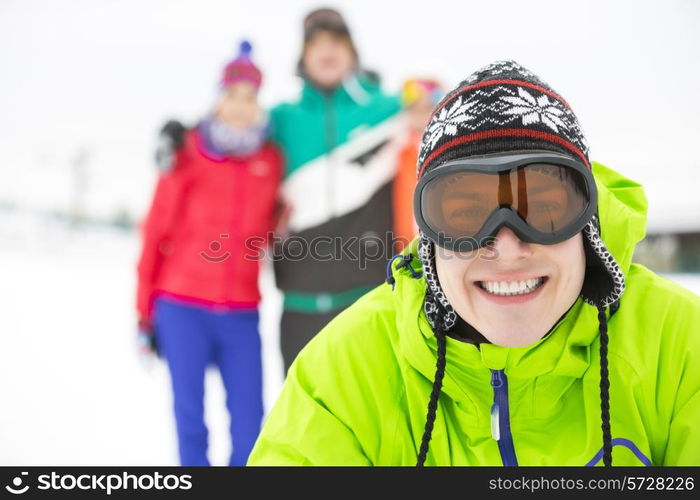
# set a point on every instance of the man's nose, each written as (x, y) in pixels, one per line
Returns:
(509, 247)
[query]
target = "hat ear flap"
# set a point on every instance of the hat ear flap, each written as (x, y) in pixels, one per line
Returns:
(604, 282)
(435, 299)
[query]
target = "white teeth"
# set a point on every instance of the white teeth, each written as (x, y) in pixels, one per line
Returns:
(511, 287)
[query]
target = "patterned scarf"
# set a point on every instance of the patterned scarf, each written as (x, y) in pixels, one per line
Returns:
(221, 140)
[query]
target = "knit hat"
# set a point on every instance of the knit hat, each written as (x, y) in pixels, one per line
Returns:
(504, 107)
(325, 19)
(242, 68)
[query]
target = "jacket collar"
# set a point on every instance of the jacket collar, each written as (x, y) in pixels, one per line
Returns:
(353, 89)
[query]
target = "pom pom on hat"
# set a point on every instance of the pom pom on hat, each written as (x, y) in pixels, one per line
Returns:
(245, 48)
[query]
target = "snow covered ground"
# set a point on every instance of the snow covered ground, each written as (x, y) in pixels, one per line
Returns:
(73, 390)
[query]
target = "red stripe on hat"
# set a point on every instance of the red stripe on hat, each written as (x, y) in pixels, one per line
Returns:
(508, 132)
(502, 82)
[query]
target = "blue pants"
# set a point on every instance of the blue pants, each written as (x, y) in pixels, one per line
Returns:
(190, 338)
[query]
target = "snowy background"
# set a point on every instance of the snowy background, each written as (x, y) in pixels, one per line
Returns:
(85, 84)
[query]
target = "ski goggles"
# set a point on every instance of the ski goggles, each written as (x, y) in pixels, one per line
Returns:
(542, 197)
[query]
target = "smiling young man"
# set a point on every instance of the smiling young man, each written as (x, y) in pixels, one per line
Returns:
(516, 319)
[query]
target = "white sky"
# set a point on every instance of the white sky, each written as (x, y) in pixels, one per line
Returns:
(104, 74)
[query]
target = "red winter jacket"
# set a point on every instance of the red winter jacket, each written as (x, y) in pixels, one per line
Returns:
(203, 211)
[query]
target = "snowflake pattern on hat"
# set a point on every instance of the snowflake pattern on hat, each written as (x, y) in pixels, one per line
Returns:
(534, 110)
(499, 107)
(448, 120)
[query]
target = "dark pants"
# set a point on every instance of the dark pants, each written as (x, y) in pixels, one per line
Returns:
(192, 338)
(297, 329)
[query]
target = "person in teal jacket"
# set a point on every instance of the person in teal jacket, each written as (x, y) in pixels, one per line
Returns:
(338, 185)
(515, 330)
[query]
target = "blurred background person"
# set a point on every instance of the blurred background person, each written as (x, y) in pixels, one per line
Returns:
(198, 294)
(340, 165)
(419, 96)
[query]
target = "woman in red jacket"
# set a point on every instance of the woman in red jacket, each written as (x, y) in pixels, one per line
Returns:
(197, 277)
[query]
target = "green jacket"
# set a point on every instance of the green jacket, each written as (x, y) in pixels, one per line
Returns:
(358, 393)
(340, 168)
(318, 122)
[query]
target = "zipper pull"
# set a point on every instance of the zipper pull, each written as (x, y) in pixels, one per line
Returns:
(495, 427)
(496, 378)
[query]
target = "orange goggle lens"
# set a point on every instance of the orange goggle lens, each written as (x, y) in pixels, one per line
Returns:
(547, 197)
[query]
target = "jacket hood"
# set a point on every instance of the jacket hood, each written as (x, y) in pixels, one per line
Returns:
(622, 209)
(565, 351)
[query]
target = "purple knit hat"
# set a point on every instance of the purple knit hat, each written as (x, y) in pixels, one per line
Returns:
(242, 68)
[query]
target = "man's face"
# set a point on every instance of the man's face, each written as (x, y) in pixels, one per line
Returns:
(328, 59)
(238, 106)
(514, 292)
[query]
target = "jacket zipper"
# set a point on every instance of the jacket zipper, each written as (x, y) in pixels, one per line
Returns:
(500, 419)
